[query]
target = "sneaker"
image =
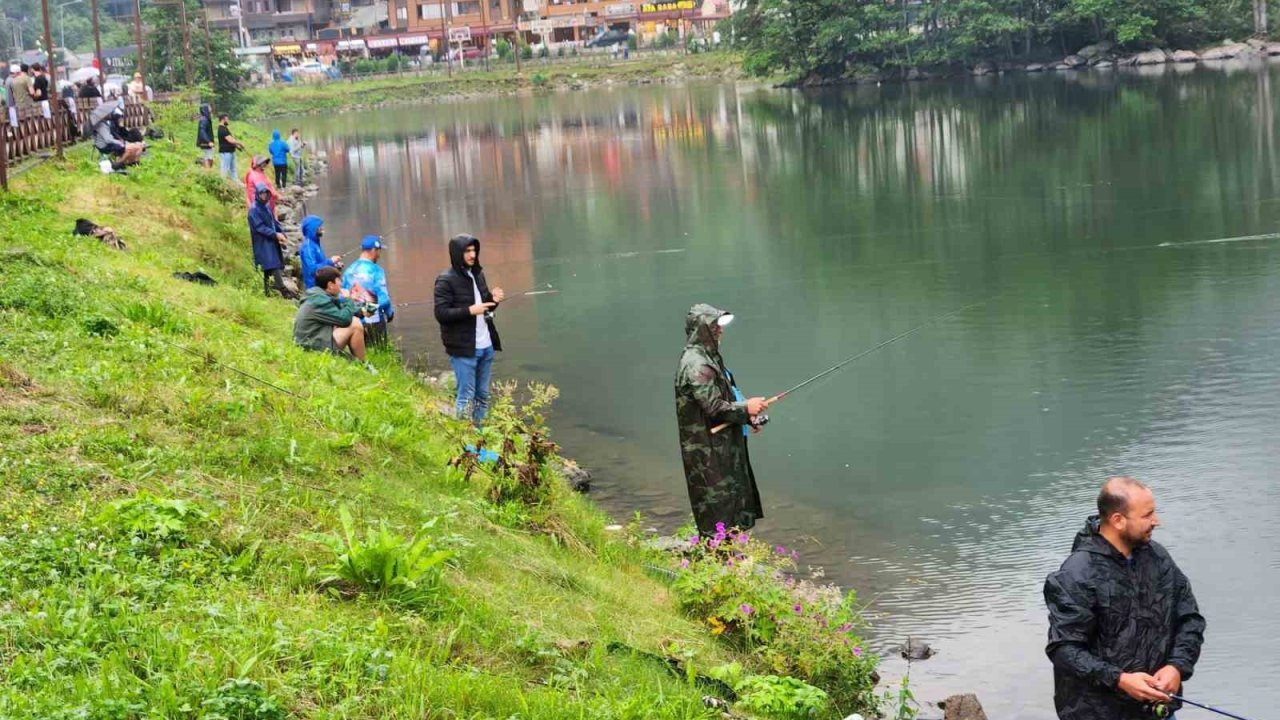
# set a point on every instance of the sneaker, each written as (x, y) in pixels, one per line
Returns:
(372, 370)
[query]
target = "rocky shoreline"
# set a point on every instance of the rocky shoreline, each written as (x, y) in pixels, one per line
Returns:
(1099, 56)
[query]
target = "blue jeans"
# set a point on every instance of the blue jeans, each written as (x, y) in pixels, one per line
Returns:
(472, 375)
(228, 165)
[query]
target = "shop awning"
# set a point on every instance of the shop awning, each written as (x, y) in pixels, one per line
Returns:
(382, 42)
(409, 40)
(287, 49)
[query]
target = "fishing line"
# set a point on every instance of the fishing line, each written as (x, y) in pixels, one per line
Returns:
(1210, 708)
(208, 357)
(536, 290)
(769, 401)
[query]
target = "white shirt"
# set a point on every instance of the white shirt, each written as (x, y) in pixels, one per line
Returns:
(482, 328)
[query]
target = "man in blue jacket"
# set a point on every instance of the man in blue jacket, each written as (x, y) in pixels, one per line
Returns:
(367, 284)
(279, 151)
(268, 243)
(313, 257)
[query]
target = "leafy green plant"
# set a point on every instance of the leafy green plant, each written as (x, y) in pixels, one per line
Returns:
(518, 433)
(901, 705)
(156, 315)
(740, 588)
(785, 698)
(538, 80)
(666, 40)
(153, 518)
(241, 699)
(384, 563)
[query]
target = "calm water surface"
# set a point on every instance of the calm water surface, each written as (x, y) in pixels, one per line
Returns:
(944, 476)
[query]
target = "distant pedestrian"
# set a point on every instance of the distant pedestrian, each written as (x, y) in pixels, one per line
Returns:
(279, 151)
(227, 147)
(204, 135)
(256, 176)
(312, 252)
(464, 310)
(717, 467)
(90, 89)
(268, 244)
(39, 83)
(137, 88)
(296, 148)
(20, 102)
(1124, 628)
(367, 283)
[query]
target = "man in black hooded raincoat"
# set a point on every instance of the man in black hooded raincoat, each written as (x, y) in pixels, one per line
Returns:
(1124, 628)
(717, 468)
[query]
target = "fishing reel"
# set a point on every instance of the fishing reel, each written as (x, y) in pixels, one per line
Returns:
(759, 421)
(368, 309)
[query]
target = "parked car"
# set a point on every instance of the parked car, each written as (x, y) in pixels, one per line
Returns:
(608, 38)
(309, 69)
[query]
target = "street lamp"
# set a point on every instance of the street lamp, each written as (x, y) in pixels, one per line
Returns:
(62, 29)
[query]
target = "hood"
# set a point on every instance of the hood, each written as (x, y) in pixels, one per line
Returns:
(1090, 539)
(204, 109)
(316, 294)
(258, 196)
(310, 226)
(458, 245)
(275, 136)
(698, 326)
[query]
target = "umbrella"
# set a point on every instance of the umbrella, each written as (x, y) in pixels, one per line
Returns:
(102, 112)
(82, 74)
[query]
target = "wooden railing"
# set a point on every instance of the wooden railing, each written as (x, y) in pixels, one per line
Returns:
(34, 132)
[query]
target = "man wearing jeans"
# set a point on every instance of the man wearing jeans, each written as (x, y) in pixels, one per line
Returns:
(464, 308)
(227, 147)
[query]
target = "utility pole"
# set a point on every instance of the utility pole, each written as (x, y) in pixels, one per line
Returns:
(1260, 18)
(444, 37)
(59, 117)
(186, 41)
(140, 65)
(97, 45)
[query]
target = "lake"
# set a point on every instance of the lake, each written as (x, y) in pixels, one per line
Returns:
(1109, 235)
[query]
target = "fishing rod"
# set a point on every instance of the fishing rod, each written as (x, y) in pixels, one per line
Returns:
(1210, 708)
(546, 289)
(771, 400)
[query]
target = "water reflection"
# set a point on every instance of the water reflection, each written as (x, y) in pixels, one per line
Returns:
(945, 475)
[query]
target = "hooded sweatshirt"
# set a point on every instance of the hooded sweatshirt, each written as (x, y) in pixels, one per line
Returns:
(456, 291)
(279, 149)
(252, 180)
(318, 315)
(204, 131)
(722, 485)
(313, 257)
(1108, 615)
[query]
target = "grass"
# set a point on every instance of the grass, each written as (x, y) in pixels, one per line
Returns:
(161, 516)
(502, 80)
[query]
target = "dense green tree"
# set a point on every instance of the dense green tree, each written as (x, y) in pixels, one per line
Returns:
(830, 38)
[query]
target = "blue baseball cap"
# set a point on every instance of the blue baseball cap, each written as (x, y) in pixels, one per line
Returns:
(371, 242)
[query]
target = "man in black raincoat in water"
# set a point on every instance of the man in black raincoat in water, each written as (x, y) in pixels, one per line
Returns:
(1124, 629)
(722, 487)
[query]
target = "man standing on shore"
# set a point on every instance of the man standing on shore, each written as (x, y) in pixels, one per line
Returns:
(227, 147)
(296, 147)
(463, 305)
(367, 283)
(1124, 628)
(717, 468)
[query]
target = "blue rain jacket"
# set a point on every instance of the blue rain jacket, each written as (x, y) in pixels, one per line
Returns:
(313, 255)
(279, 149)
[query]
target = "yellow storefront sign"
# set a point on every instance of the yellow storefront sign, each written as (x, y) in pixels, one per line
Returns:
(673, 6)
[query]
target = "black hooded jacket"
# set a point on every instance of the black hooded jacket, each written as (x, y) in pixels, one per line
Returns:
(1109, 614)
(204, 131)
(454, 298)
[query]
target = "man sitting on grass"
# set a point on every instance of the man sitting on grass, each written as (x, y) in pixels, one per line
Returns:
(329, 322)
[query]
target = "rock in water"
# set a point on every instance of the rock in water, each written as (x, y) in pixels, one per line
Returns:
(983, 68)
(1092, 52)
(1185, 56)
(1075, 61)
(963, 707)
(1151, 57)
(1225, 52)
(578, 479)
(1035, 67)
(917, 650)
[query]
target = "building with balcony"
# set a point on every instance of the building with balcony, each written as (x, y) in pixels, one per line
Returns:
(262, 22)
(468, 22)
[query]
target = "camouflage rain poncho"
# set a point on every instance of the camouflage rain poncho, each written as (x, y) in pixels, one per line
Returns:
(717, 468)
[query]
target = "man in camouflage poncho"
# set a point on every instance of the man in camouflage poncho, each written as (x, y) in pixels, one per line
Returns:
(717, 468)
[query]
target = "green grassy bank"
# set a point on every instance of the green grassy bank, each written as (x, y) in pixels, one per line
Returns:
(178, 540)
(503, 79)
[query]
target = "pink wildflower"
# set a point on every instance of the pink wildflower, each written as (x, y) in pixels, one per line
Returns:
(684, 563)
(857, 651)
(747, 609)
(798, 608)
(720, 527)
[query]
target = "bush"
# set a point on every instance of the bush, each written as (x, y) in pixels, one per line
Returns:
(366, 66)
(784, 698)
(503, 48)
(393, 63)
(407, 570)
(740, 588)
(544, 52)
(560, 51)
(633, 43)
(526, 52)
(538, 80)
(665, 40)
(518, 433)
(149, 517)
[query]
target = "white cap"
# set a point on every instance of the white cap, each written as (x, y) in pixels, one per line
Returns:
(724, 320)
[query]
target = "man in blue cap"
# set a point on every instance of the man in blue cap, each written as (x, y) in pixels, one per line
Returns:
(367, 283)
